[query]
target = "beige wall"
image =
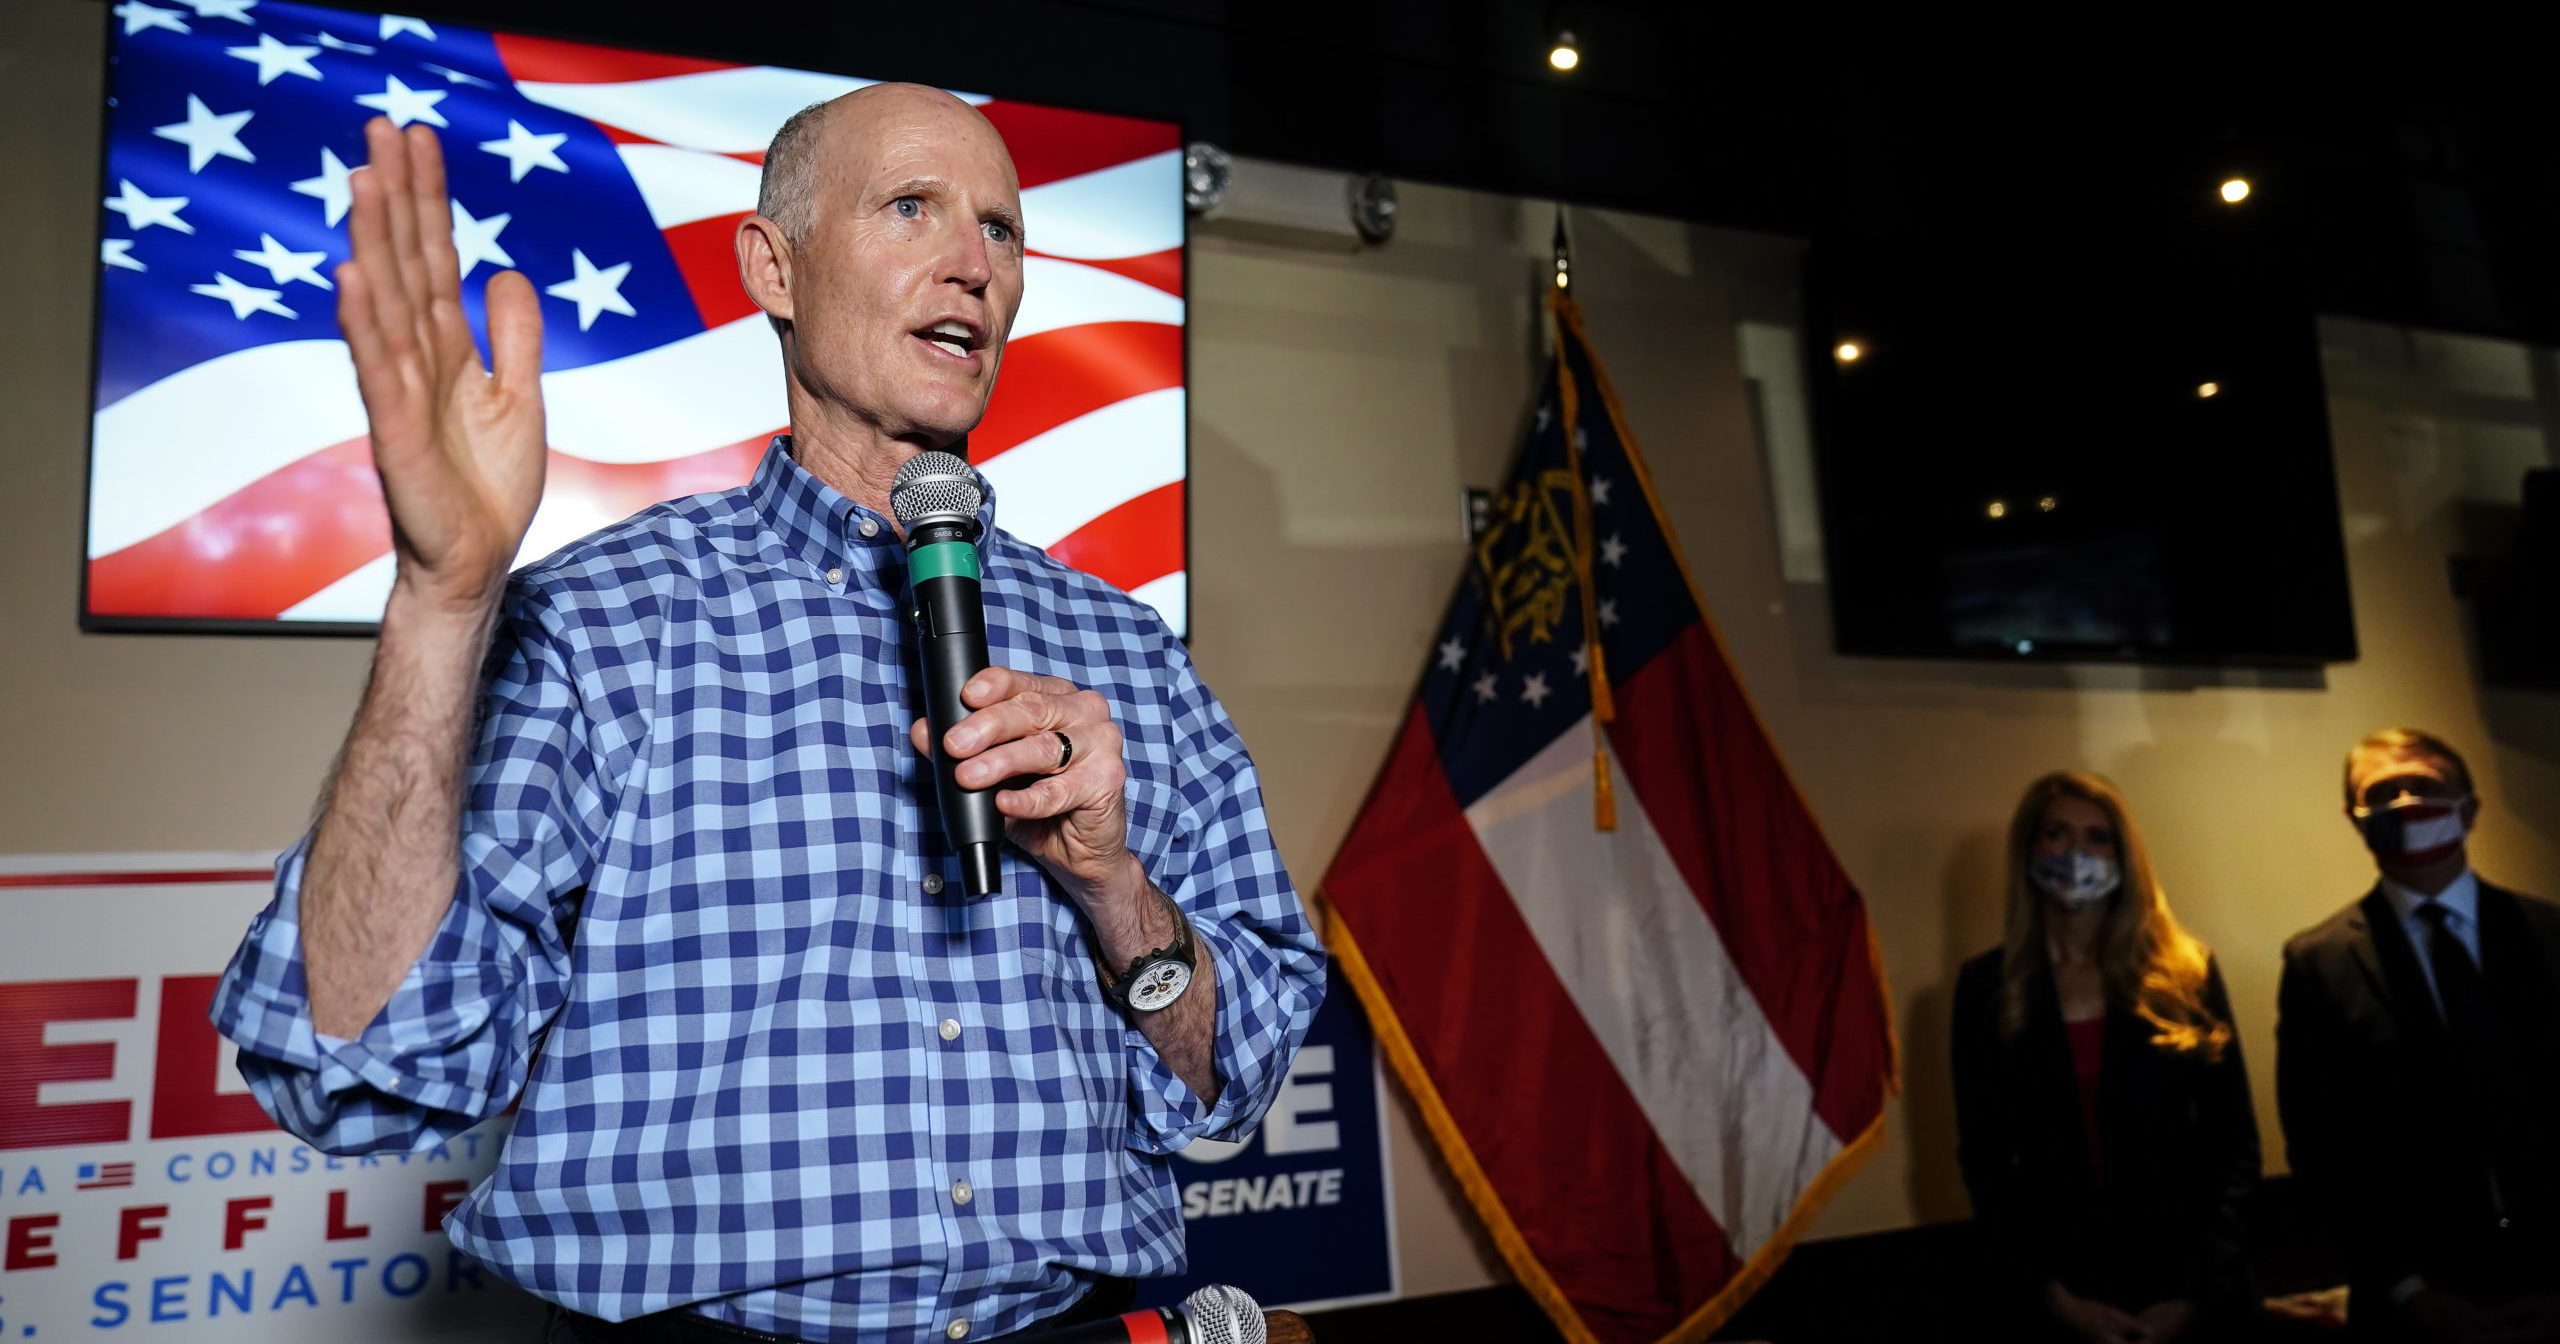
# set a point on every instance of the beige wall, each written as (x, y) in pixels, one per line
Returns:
(1340, 401)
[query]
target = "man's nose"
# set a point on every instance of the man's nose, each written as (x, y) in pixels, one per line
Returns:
(968, 263)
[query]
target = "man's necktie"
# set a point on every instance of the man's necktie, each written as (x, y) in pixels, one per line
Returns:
(2462, 994)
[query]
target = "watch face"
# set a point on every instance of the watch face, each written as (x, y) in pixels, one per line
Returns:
(1159, 985)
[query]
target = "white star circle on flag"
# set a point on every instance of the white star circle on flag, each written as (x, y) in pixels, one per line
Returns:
(330, 186)
(1535, 691)
(138, 16)
(341, 44)
(453, 76)
(476, 240)
(141, 212)
(1613, 551)
(284, 267)
(594, 291)
(1452, 654)
(244, 299)
(404, 104)
(207, 134)
(524, 151)
(1581, 661)
(1485, 687)
(1609, 612)
(1599, 489)
(118, 252)
(395, 24)
(235, 10)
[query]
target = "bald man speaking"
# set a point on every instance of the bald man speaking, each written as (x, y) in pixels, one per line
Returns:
(638, 837)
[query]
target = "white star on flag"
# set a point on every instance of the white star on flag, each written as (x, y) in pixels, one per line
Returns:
(476, 241)
(1582, 661)
(341, 44)
(284, 267)
(1612, 550)
(1609, 612)
(395, 24)
(453, 76)
(404, 104)
(1546, 414)
(1452, 654)
(1535, 691)
(235, 10)
(1599, 489)
(276, 58)
(138, 16)
(1485, 687)
(524, 151)
(141, 212)
(593, 290)
(244, 299)
(330, 186)
(206, 134)
(118, 252)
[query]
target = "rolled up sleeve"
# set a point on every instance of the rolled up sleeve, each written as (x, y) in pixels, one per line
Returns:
(1212, 854)
(455, 1043)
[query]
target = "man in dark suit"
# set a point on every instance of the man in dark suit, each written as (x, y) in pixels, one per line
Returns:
(2418, 1067)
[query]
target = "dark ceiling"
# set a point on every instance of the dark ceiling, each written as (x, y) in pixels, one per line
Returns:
(2399, 176)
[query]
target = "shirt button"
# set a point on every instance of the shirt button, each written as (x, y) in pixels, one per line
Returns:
(933, 884)
(950, 1030)
(960, 1192)
(872, 529)
(958, 1329)
(835, 576)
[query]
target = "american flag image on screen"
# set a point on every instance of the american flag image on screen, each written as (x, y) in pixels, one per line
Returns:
(230, 477)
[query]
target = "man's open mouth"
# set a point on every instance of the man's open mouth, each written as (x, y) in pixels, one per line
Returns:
(953, 337)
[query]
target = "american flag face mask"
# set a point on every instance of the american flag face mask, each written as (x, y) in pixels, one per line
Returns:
(2413, 832)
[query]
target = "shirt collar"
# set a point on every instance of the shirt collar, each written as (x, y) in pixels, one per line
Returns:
(2462, 898)
(823, 527)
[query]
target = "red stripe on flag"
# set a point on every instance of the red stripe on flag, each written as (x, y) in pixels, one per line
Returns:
(263, 548)
(1709, 779)
(1050, 379)
(1134, 544)
(312, 522)
(1568, 1150)
(1160, 269)
(1051, 143)
(706, 253)
(151, 878)
(543, 60)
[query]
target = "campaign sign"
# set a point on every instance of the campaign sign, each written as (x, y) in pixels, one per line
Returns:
(1301, 1213)
(142, 1191)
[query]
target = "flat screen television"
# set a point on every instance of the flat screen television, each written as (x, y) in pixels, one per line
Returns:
(230, 481)
(2095, 439)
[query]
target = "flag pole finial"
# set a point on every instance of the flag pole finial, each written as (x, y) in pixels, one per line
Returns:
(1564, 255)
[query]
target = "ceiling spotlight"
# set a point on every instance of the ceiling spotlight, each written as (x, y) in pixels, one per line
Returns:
(2236, 190)
(1847, 352)
(2208, 389)
(2048, 503)
(1999, 508)
(1566, 55)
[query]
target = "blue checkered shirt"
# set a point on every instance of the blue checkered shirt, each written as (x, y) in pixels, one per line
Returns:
(709, 931)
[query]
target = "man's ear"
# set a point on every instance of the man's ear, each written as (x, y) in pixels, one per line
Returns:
(2471, 813)
(764, 266)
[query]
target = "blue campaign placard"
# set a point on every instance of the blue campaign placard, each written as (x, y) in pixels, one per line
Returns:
(1302, 1212)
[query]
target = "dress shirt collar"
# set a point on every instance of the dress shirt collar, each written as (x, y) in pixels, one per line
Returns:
(2461, 899)
(823, 527)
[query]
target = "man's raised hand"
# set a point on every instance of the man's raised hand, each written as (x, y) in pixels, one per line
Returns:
(460, 447)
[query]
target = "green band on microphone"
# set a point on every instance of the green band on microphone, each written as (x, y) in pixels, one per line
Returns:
(941, 560)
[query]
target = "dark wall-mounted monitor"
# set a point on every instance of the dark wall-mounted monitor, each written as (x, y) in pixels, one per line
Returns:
(230, 479)
(2078, 438)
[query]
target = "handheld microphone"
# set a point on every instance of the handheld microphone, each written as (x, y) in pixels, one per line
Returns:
(936, 497)
(1217, 1314)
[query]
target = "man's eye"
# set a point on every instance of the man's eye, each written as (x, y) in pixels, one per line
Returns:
(999, 232)
(908, 207)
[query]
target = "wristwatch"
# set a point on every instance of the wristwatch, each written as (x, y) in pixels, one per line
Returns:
(1155, 979)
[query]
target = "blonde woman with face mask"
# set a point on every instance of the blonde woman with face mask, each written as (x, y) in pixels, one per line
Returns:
(2102, 1112)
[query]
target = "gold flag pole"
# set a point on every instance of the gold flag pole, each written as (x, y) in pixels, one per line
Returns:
(1604, 710)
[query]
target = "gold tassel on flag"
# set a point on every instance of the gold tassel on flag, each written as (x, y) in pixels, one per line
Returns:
(1604, 709)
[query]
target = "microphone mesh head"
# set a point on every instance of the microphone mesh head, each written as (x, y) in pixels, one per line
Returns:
(1223, 1314)
(934, 486)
